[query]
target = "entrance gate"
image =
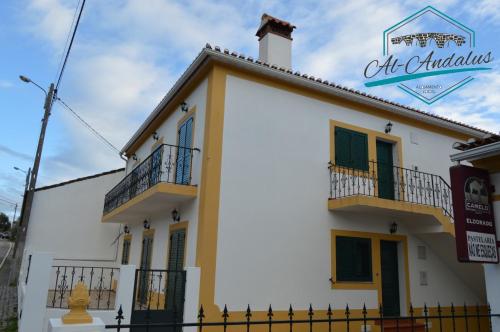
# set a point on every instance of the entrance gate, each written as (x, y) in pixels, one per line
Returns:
(161, 300)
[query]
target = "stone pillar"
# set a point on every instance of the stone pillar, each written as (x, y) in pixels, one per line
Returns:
(125, 291)
(36, 291)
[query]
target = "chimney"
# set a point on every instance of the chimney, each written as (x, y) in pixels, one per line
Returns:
(275, 41)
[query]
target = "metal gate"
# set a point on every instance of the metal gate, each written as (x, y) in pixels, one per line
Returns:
(158, 297)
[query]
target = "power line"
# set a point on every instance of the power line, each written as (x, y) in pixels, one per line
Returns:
(70, 45)
(89, 127)
(7, 201)
(67, 39)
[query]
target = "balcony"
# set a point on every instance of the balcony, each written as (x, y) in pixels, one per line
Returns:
(161, 181)
(393, 191)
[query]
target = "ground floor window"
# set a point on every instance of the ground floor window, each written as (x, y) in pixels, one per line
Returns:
(127, 240)
(353, 258)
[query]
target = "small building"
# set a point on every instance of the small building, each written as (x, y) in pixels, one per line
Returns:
(485, 153)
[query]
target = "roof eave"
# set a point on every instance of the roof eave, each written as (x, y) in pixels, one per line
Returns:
(348, 94)
(480, 152)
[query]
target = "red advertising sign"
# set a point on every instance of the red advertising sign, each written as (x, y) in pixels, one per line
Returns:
(474, 221)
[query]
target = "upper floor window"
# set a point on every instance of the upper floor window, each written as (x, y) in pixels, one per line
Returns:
(184, 153)
(351, 149)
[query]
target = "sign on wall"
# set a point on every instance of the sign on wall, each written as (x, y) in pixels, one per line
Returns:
(474, 221)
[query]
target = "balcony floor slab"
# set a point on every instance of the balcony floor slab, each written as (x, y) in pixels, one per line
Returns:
(160, 197)
(428, 216)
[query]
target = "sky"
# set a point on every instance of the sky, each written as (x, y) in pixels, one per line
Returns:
(127, 54)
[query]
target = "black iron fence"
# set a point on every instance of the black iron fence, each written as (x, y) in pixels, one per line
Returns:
(391, 182)
(454, 318)
(101, 283)
(168, 163)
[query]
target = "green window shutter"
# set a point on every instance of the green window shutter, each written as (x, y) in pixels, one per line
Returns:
(351, 149)
(359, 151)
(342, 147)
(353, 259)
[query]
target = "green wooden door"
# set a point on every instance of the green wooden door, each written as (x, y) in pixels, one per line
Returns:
(385, 170)
(175, 274)
(390, 278)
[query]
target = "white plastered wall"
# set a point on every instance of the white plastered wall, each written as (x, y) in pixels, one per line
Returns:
(66, 221)
(188, 210)
(274, 241)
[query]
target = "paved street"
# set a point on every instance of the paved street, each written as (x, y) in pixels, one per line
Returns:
(8, 294)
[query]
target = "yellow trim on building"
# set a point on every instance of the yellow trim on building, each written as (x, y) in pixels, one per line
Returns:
(367, 109)
(206, 251)
(491, 164)
(373, 136)
(162, 187)
(376, 284)
(495, 198)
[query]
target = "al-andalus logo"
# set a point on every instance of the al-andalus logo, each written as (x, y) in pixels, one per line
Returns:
(428, 55)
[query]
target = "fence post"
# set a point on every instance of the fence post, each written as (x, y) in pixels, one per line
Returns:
(125, 292)
(34, 307)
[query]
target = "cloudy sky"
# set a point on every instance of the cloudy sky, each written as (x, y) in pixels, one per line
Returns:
(128, 53)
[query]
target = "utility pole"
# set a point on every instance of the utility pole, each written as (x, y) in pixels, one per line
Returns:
(29, 194)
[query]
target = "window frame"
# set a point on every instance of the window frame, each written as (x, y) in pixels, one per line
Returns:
(353, 278)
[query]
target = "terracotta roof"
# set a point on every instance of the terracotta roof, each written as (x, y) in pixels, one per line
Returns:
(208, 51)
(474, 143)
(268, 18)
(337, 86)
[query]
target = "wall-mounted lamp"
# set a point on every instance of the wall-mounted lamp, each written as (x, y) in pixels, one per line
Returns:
(388, 127)
(176, 216)
(146, 224)
(184, 106)
(394, 228)
(156, 136)
(126, 230)
(134, 157)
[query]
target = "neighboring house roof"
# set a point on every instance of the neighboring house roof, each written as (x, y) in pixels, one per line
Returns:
(488, 146)
(80, 179)
(295, 77)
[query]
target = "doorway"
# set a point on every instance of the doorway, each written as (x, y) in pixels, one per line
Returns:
(385, 172)
(390, 277)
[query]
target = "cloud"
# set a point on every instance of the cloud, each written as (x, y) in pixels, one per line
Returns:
(12, 153)
(127, 55)
(484, 10)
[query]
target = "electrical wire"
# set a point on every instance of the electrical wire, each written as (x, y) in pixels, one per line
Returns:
(89, 127)
(70, 45)
(7, 201)
(67, 40)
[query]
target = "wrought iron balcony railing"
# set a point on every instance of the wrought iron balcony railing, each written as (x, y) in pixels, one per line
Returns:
(168, 163)
(391, 182)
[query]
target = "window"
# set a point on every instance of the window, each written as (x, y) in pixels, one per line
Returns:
(351, 149)
(126, 249)
(353, 258)
(184, 153)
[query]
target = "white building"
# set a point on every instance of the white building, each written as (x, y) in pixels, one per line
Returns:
(272, 186)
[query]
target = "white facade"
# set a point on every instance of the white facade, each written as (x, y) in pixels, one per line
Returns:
(274, 226)
(66, 221)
